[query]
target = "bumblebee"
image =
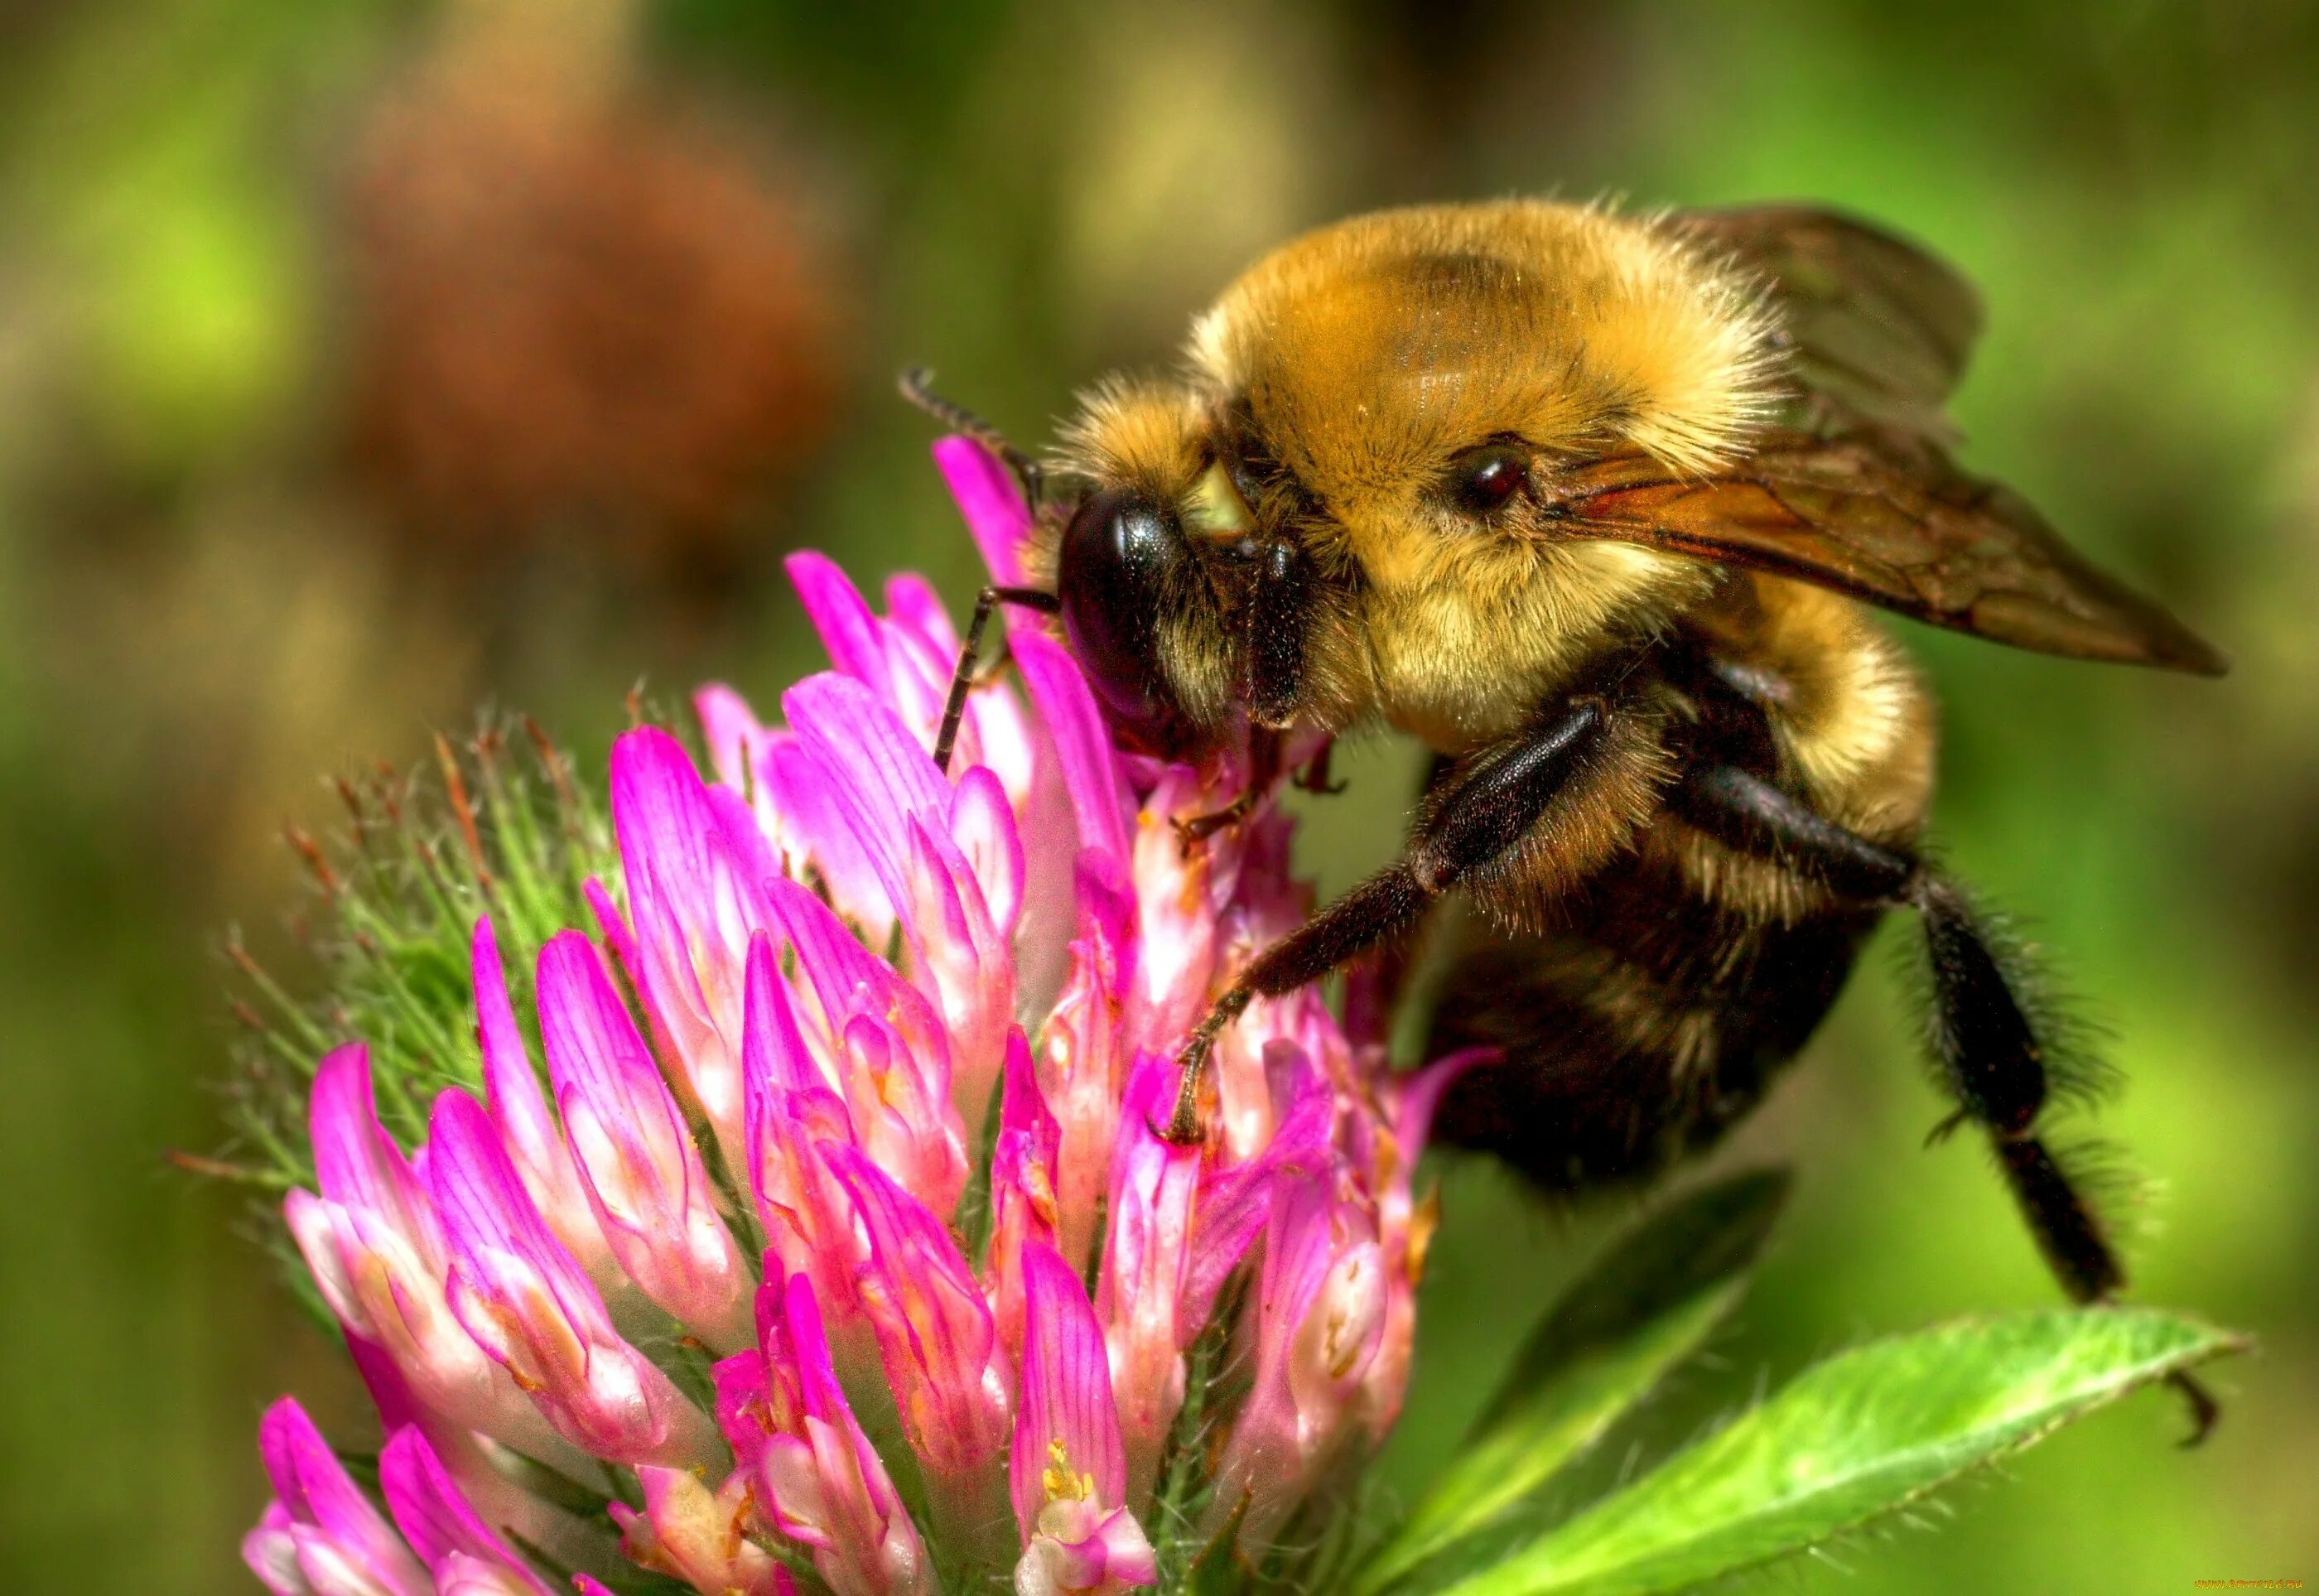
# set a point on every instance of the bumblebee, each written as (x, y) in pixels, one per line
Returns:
(1598, 507)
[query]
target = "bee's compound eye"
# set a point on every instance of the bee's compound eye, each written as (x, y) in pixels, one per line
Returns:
(1483, 478)
(1122, 558)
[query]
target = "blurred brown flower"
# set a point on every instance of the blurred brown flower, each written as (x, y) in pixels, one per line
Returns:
(581, 308)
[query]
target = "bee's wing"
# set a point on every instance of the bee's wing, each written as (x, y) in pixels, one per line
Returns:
(1899, 529)
(1877, 329)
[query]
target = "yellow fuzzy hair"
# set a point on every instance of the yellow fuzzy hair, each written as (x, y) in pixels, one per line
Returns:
(1389, 340)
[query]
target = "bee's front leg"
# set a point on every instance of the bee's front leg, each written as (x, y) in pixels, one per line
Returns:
(1263, 773)
(961, 680)
(1313, 775)
(1484, 810)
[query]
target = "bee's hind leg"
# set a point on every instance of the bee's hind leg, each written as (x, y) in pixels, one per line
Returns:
(1992, 1058)
(1482, 812)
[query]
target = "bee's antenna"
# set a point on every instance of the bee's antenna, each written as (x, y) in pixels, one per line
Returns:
(915, 386)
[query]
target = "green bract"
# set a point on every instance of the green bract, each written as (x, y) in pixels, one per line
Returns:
(1855, 1437)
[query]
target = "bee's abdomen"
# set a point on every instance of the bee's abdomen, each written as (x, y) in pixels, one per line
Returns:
(1636, 1030)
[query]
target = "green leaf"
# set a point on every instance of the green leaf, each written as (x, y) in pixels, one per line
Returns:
(1648, 1304)
(1853, 1437)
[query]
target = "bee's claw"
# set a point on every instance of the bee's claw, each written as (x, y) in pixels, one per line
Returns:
(1183, 1128)
(1193, 832)
(1314, 776)
(1942, 1131)
(2204, 1411)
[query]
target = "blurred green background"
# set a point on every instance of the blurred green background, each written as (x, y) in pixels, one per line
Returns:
(361, 361)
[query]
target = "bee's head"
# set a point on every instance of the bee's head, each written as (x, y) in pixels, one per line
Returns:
(1185, 611)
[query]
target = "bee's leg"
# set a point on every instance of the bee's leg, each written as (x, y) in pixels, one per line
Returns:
(1198, 828)
(1480, 816)
(1992, 1060)
(1264, 770)
(916, 387)
(1313, 775)
(961, 680)
(1265, 749)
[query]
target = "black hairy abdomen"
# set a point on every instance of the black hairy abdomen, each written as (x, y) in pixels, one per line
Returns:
(1636, 1030)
